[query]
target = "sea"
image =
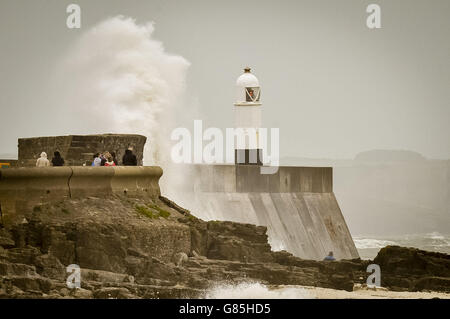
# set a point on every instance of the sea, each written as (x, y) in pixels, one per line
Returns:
(369, 246)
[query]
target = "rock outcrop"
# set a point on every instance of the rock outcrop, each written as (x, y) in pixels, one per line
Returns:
(144, 248)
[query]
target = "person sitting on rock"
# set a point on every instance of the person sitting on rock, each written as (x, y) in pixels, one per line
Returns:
(42, 161)
(129, 159)
(57, 160)
(330, 257)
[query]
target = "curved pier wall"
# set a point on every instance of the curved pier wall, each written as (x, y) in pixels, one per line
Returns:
(22, 188)
(297, 205)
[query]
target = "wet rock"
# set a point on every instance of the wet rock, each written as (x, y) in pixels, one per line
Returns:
(113, 293)
(136, 253)
(25, 255)
(179, 258)
(432, 284)
(413, 269)
(49, 266)
(31, 284)
(412, 261)
(15, 269)
(64, 292)
(80, 293)
(6, 242)
(103, 276)
(357, 287)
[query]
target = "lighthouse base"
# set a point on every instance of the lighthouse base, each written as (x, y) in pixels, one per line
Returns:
(296, 204)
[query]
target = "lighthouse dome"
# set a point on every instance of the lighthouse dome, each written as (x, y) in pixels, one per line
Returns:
(248, 90)
(247, 80)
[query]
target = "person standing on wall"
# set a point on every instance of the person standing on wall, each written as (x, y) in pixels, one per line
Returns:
(129, 159)
(57, 160)
(42, 161)
(97, 160)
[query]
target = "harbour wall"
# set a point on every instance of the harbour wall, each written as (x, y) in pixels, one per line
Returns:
(296, 204)
(22, 188)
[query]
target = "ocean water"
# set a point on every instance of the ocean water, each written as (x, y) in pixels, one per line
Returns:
(256, 290)
(369, 246)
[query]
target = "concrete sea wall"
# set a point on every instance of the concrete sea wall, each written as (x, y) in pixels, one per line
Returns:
(297, 205)
(21, 188)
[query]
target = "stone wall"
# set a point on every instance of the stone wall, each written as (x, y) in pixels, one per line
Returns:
(79, 149)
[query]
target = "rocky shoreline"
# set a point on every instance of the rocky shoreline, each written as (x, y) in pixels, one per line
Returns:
(152, 248)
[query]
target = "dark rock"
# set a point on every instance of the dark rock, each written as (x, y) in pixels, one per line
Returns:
(6, 242)
(136, 252)
(24, 255)
(432, 284)
(80, 293)
(31, 284)
(49, 266)
(113, 293)
(15, 269)
(179, 258)
(103, 276)
(413, 261)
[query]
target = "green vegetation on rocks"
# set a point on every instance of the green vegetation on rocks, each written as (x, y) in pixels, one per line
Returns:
(152, 211)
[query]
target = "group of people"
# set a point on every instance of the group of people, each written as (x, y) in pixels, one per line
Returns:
(109, 159)
(105, 159)
(100, 159)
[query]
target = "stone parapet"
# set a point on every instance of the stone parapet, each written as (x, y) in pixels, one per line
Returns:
(22, 188)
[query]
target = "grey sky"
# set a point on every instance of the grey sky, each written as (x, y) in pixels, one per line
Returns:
(333, 86)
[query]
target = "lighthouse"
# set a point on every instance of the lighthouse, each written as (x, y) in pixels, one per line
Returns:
(247, 120)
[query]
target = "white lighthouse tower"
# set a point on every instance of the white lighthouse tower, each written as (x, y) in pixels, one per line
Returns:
(247, 119)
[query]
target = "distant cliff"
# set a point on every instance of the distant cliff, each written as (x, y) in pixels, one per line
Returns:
(386, 156)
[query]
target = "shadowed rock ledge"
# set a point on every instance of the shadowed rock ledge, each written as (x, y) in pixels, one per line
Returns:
(152, 248)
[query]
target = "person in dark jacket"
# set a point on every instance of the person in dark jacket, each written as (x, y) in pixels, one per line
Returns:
(57, 160)
(129, 159)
